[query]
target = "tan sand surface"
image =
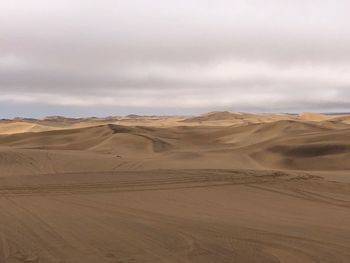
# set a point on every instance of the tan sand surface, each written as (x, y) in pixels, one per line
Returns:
(220, 187)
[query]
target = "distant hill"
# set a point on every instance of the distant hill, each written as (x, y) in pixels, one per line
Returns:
(218, 116)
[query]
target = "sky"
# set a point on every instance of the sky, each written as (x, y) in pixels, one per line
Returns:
(162, 57)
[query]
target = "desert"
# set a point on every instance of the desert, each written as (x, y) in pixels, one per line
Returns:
(218, 187)
(174, 131)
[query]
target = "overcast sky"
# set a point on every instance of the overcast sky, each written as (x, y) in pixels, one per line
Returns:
(111, 57)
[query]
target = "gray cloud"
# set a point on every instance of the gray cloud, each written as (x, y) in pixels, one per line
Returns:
(158, 56)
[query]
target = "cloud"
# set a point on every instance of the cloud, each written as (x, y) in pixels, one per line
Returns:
(190, 55)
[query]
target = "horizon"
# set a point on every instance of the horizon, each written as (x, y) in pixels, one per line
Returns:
(178, 115)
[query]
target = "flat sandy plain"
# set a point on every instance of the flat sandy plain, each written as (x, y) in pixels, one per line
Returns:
(220, 187)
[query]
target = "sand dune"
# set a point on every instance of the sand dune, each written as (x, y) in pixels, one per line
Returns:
(21, 127)
(226, 118)
(220, 187)
(311, 116)
(283, 144)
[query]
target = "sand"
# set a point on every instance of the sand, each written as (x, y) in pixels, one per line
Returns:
(221, 187)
